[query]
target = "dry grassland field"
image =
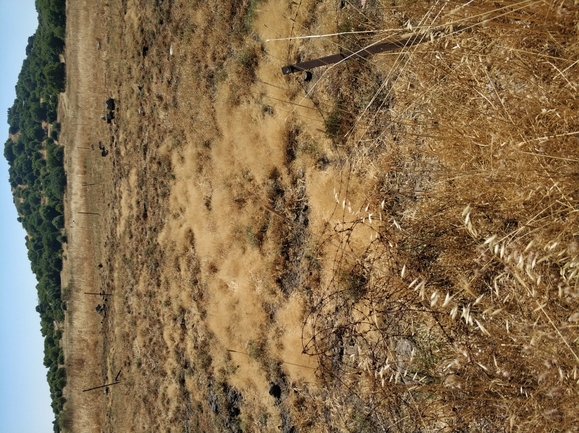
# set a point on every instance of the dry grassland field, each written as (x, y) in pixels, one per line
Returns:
(388, 245)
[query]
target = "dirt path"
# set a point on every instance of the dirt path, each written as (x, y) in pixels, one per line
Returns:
(87, 200)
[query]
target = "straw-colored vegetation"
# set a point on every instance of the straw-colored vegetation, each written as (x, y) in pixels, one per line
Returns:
(394, 243)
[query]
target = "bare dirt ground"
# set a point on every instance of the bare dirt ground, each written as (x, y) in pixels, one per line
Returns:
(249, 228)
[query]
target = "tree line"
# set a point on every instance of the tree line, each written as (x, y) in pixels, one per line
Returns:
(38, 179)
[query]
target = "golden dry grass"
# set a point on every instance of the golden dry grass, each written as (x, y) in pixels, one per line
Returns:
(394, 242)
(460, 176)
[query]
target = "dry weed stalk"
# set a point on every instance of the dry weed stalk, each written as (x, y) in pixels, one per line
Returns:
(453, 300)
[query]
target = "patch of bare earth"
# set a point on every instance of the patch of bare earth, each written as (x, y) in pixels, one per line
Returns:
(245, 228)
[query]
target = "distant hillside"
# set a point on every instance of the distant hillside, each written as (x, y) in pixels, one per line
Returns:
(38, 179)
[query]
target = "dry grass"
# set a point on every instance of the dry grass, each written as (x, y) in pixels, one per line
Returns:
(449, 304)
(393, 243)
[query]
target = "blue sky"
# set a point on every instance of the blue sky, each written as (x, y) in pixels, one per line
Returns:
(24, 395)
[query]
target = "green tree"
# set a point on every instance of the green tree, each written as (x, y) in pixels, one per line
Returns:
(37, 176)
(57, 182)
(58, 222)
(38, 112)
(55, 76)
(9, 151)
